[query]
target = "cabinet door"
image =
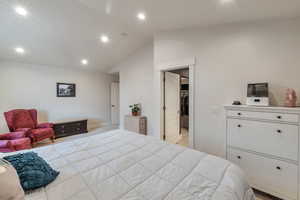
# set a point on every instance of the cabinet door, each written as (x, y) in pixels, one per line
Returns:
(269, 175)
(270, 138)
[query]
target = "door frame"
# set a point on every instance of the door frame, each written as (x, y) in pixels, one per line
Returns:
(181, 64)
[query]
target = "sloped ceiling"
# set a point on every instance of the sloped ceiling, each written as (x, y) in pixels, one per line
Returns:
(60, 33)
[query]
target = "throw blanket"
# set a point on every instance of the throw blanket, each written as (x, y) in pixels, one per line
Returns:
(33, 171)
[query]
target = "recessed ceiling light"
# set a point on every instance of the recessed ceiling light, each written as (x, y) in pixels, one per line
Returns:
(84, 61)
(19, 50)
(226, 1)
(104, 39)
(21, 11)
(141, 16)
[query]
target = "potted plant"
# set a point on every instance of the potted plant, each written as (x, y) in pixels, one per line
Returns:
(135, 109)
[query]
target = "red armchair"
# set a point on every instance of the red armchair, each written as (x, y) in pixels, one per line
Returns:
(15, 141)
(26, 120)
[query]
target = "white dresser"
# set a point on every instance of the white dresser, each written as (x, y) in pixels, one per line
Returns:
(264, 142)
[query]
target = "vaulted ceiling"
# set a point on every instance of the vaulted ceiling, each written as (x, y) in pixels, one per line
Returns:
(63, 32)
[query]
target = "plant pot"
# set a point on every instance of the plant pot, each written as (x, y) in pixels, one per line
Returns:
(135, 113)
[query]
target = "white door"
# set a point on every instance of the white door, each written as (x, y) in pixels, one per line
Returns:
(172, 103)
(115, 104)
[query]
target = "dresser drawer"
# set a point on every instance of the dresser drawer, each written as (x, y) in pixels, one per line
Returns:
(270, 138)
(293, 118)
(272, 176)
(70, 128)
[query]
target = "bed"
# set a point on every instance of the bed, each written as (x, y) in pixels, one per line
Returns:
(121, 165)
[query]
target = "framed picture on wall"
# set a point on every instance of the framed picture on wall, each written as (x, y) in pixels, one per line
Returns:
(65, 90)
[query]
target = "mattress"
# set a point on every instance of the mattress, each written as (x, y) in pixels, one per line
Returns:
(121, 165)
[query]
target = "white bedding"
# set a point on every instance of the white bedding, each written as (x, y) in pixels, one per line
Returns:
(127, 166)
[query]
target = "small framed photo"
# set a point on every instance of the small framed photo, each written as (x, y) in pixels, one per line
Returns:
(65, 90)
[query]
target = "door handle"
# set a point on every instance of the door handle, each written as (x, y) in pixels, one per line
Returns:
(112, 105)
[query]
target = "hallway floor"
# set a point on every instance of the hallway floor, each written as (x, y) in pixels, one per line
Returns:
(184, 141)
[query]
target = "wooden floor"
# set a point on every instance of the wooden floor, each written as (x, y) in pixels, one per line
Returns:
(263, 196)
(184, 141)
(91, 132)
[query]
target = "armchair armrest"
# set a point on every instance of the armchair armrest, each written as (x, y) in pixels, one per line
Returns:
(12, 135)
(4, 136)
(23, 130)
(45, 125)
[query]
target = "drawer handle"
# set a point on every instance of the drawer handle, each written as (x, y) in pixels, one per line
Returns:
(279, 131)
(239, 114)
(239, 157)
(279, 117)
(279, 168)
(240, 126)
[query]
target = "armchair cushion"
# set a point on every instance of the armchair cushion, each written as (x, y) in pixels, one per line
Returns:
(25, 130)
(23, 119)
(21, 144)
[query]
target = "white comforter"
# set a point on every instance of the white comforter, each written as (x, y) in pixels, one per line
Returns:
(127, 166)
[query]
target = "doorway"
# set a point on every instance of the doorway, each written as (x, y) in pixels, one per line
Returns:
(115, 103)
(176, 106)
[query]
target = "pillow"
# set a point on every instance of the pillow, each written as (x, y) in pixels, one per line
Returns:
(9, 183)
(22, 119)
(34, 172)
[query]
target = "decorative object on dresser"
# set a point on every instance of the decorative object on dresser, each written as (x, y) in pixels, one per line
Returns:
(236, 103)
(136, 124)
(135, 109)
(290, 98)
(65, 90)
(68, 128)
(258, 94)
(264, 142)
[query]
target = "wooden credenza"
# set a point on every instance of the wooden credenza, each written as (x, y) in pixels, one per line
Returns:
(136, 124)
(68, 128)
(264, 142)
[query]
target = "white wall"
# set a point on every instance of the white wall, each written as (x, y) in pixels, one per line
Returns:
(227, 58)
(33, 86)
(136, 84)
